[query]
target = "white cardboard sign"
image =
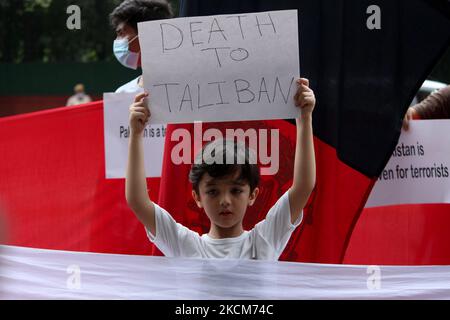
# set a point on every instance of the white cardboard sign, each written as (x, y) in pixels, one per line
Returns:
(116, 134)
(419, 169)
(221, 68)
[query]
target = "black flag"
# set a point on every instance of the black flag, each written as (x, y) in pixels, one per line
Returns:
(365, 61)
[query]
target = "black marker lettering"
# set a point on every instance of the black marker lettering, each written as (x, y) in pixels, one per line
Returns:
(166, 85)
(261, 90)
(211, 31)
(199, 105)
(239, 54)
(193, 31)
(217, 53)
(163, 30)
(187, 90)
(220, 92)
(240, 24)
(258, 24)
(277, 84)
(246, 88)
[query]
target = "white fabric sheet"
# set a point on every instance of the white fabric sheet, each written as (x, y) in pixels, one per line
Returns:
(27, 273)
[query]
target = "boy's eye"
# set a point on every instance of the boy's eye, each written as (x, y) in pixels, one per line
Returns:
(211, 192)
(237, 191)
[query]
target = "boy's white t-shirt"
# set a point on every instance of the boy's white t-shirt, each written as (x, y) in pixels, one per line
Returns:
(266, 241)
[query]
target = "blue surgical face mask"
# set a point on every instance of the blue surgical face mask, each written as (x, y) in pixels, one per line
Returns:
(123, 54)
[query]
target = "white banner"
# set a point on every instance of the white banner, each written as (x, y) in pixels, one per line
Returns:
(221, 68)
(419, 169)
(29, 273)
(117, 131)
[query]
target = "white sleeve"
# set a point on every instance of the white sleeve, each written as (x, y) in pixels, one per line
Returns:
(172, 238)
(276, 228)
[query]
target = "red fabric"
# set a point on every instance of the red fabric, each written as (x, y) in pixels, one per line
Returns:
(401, 235)
(331, 213)
(11, 105)
(53, 188)
(54, 195)
(334, 208)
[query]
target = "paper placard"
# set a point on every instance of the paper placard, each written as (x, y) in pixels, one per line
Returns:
(117, 131)
(221, 68)
(419, 169)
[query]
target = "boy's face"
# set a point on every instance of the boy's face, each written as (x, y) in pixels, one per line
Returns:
(225, 200)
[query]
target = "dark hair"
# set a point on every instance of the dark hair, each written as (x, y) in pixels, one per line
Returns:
(205, 163)
(134, 11)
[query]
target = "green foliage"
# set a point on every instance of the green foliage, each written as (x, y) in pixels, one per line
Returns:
(36, 31)
(30, 5)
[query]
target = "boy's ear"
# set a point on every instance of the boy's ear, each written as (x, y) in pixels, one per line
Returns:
(253, 196)
(196, 199)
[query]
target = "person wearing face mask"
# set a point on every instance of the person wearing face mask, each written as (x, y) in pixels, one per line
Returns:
(80, 97)
(124, 20)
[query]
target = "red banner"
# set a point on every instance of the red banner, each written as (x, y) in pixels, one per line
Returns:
(54, 195)
(53, 188)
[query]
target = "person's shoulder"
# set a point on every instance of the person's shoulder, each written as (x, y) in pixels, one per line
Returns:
(130, 87)
(85, 99)
(283, 199)
(70, 101)
(280, 207)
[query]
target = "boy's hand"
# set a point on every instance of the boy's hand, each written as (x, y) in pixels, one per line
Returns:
(139, 114)
(304, 98)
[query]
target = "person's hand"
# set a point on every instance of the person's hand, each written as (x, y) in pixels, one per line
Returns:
(139, 114)
(304, 98)
(410, 114)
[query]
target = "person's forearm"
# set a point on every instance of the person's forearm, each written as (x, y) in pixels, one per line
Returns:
(305, 164)
(136, 184)
(435, 106)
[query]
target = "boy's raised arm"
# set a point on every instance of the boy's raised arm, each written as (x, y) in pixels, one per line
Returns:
(136, 183)
(305, 165)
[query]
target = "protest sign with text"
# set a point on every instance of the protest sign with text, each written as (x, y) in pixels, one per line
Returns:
(221, 68)
(117, 132)
(419, 169)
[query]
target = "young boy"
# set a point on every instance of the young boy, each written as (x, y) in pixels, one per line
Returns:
(225, 191)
